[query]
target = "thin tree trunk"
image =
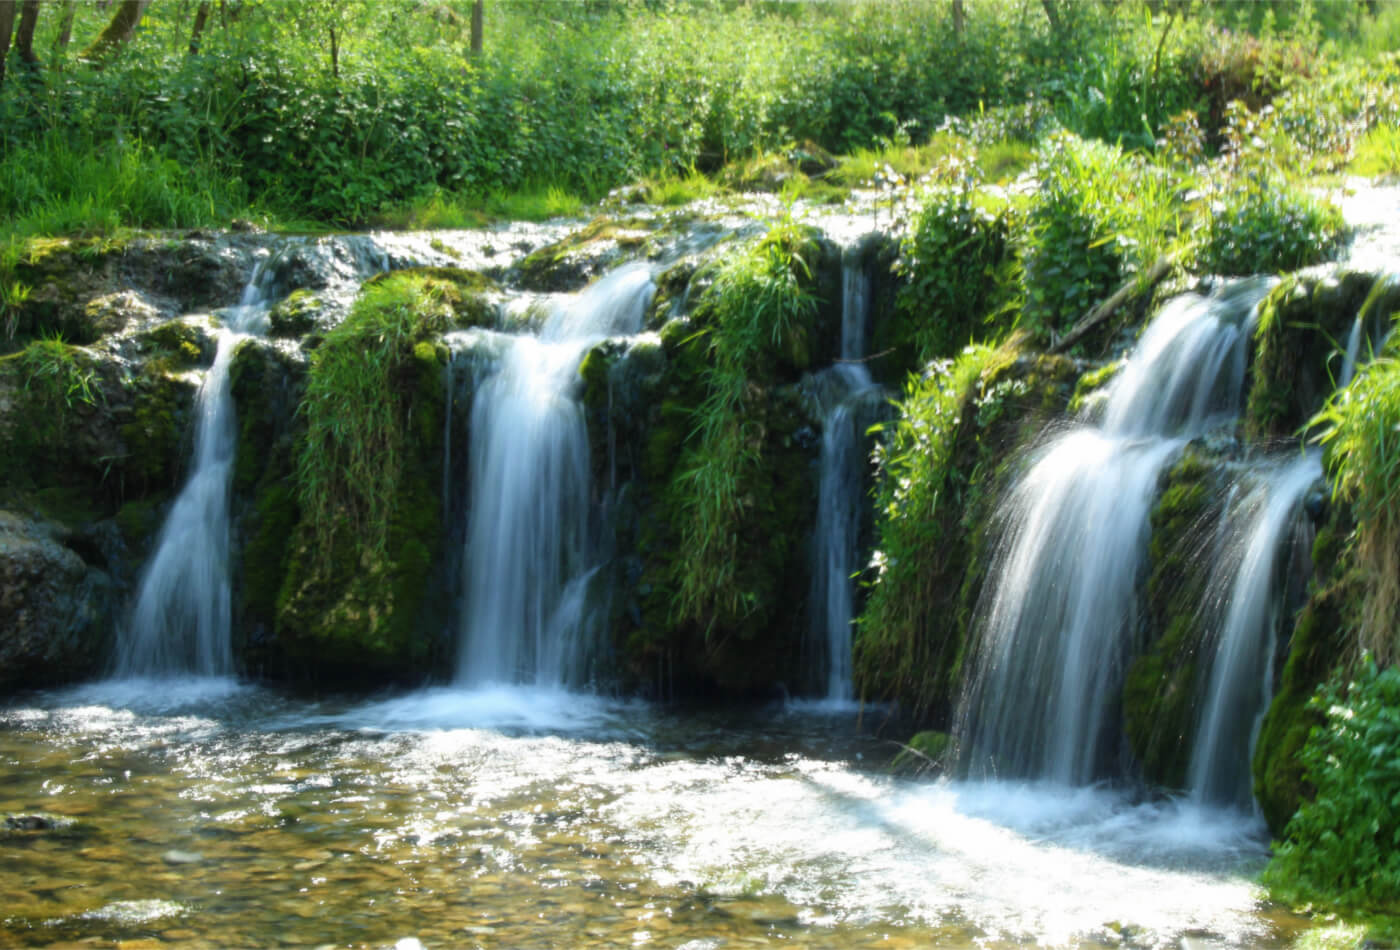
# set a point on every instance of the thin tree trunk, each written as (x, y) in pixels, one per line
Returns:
(335, 54)
(7, 30)
(201, 19)
(1052, 13)
(959, 19)
(65, 29)
(24, 38)
(477, 22)
(118, 32)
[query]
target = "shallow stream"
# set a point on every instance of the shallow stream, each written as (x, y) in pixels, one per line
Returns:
(208, 814)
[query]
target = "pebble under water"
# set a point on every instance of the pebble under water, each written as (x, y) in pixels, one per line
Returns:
(209, 814)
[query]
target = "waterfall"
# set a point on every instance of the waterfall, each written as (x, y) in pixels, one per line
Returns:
(850, 405)
(526, 557)
(1053, 631)
(1242, 661)
(181, 618)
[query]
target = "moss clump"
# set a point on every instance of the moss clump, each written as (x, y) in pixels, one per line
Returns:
(467, 294)
(1302, 330)
(368, 478)
(295, 315)
(1161, 684)
(571, 263)
(177, 343)
(1091, 384)
(154, 432)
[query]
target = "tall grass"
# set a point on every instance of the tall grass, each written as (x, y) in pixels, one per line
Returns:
(759, 299)
(350, 463)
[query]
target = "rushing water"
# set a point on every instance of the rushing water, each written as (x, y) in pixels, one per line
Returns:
(181, 617)
(527, 558)
(234, 817)
(1241, 663)
(1055, 621)
(853, 400)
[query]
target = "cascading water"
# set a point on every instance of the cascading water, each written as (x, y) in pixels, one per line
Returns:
(854, 397)
(1242, 662)
(180, 621)
(527, 559)
(1056, 616)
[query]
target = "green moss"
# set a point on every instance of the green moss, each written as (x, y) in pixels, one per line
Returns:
(1302, 330)
(294, 315)
(369, 475)
(923, 752)
(1091, 383)
(569, 264)
(179, 344)
(1319, 645)
(466, 293)
(1160, 688)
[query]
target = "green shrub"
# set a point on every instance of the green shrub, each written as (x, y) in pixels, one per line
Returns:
(957, 268)
(1097, 216)
(1342, 848)
(1257, 223)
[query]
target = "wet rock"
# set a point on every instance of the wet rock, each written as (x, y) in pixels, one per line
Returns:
(32, 823)
(295, 315)
(176, 856)
(116, 312)
(54, 608)
(570, 264)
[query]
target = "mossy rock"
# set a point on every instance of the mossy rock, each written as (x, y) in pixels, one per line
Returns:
(914, 638)
(470, 295)
(179, 344)
(155, 431)
(349, 612)
(1162, 684)
(570, 264)
(1299, 341)
(1320, 644)
(295, 315)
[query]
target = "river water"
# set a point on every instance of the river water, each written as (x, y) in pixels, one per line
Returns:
(210, 814)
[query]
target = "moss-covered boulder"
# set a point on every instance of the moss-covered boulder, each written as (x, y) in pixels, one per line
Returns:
(1300, 342)
(354, 603)
(943, 463)
(1163, 683)
(55, 609)
(1321, 642)
(570, 264)
(472, 298)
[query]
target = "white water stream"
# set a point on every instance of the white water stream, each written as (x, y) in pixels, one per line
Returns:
(527, 561)
(1055, 620)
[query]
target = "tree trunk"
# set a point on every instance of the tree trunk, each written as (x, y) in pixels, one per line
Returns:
(1052, 13)
(477, 19)
(65, 29)
(959, 19)
(118, 33)
(24, 38)
(7, 29)
(201, 19)
(335, 54)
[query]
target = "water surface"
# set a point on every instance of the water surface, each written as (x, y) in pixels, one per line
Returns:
(209, 814)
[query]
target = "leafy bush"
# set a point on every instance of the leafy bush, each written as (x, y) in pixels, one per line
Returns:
(956, 261)
(1098, 216)
(1342, 848)
(1260, 224)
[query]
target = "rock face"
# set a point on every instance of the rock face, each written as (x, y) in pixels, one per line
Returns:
(55, 609)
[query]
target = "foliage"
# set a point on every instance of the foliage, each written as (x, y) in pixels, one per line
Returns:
(1362, 441)
(758, 308)
(1342, 848)
(956, 261)
(1098, 216)
(1259, 224)
(919, 506)
(350, 464)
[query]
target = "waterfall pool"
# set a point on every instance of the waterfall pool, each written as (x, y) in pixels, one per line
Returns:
(203, 813)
